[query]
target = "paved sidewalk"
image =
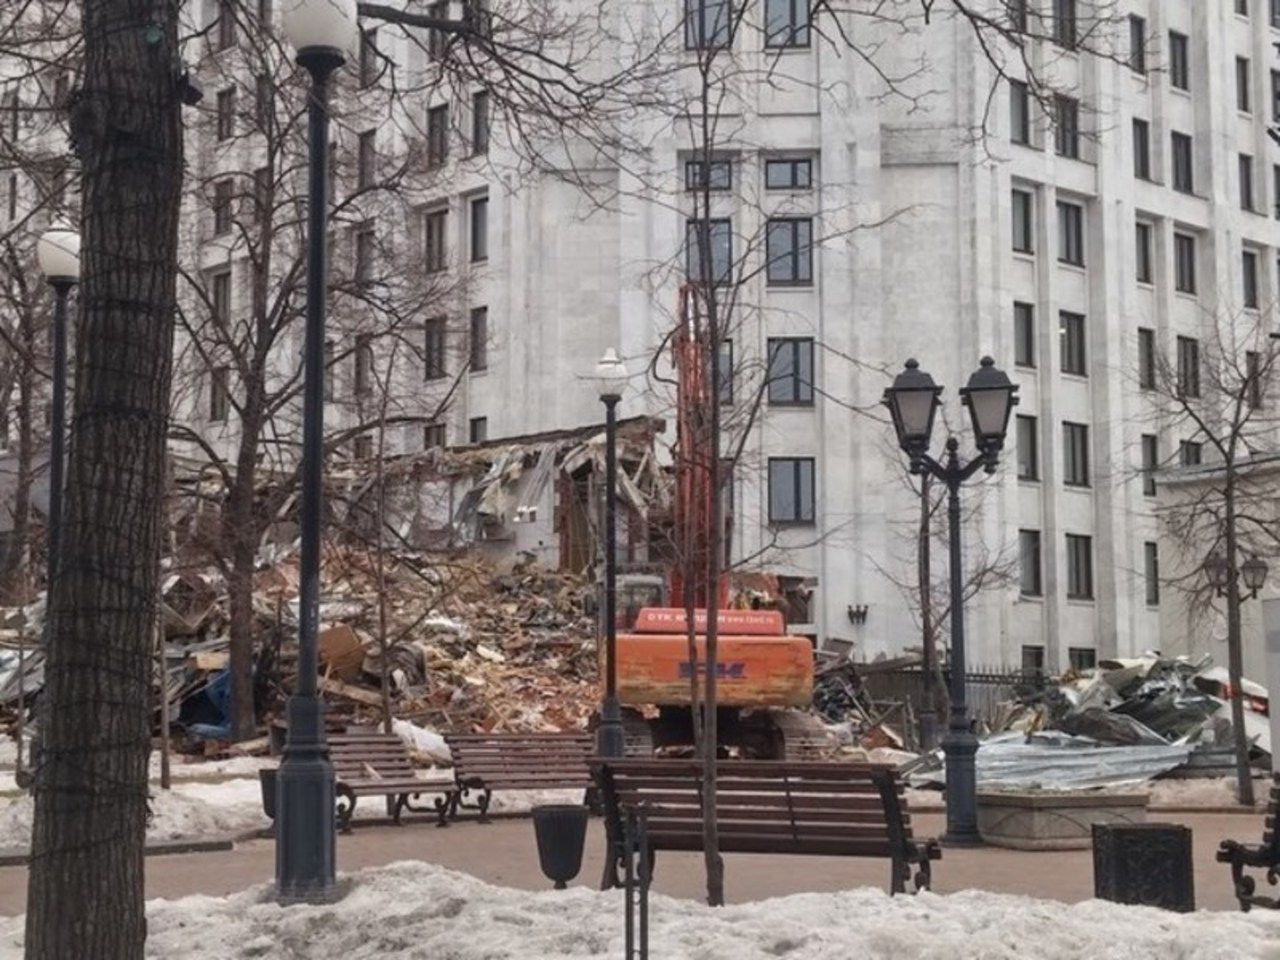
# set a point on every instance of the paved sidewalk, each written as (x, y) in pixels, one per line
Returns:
(503, 852)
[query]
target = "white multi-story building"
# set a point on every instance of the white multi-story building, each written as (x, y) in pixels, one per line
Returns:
(942, 219)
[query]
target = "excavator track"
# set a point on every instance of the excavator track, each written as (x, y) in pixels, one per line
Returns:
(801, 736)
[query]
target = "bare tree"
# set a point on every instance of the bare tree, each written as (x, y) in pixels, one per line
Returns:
(1216, 394)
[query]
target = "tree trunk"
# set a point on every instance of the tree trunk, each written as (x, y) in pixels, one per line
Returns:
(711, 737)
(85, 889)
(17, 558)
(1235, 655)
(240, 534)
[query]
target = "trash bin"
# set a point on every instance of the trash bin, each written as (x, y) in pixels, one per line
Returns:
(1144, 863)
(267, 779)
(561, 830)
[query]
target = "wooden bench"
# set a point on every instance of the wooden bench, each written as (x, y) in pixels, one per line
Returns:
(773, 806)
(483, 763)
(370, 763)
(1258, 856)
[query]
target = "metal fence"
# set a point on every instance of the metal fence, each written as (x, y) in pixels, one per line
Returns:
(985, 688)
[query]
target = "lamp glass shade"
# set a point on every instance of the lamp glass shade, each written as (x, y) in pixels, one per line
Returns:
(1254, 571)
(58, 252)
(1215, 565)
(611, 375)
(913, 403)
(990, 396)
(321, 23)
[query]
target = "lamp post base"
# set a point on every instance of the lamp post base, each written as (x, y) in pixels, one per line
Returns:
(610, 738)
(960, 748)
(305, 828)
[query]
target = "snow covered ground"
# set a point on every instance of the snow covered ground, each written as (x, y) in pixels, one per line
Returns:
(1208, 793)
(411, 910)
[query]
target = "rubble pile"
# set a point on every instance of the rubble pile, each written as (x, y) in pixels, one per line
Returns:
(464, 647)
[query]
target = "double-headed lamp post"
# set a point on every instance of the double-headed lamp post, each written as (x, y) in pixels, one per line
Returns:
(913, 402)
(58, 253)
(611, 375)
(321, 31)
(1253, 572)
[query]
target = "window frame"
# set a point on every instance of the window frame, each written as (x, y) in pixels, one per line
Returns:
(1075, 455)
(223, 195)
(1024, 334)
(1027, 437)
(1150, 449)
(435, 240)
(1151, 571)
(1071, 242)
(478, 339)
(437, 136)
(798, 392)
(1073, 352)
(797, 465)
(1066, 126)
(701, 175)
(1179, 61)
(481, 129)
(1019, 113)
(219, 394)
(1182, 156)
(696, 25)
(1079, 566)
(478, 228)
(478, 430)
(1244, 86)
(795, 165)
(793, 29)
(1024, 199)
(435, 346)
(1184, 263)
(798, 258)
(1249, 279)
(1188, 373)
(1137, 44)
(1146, 358)
(1030, 542)
(1142, 148)
(720, 277)
(1144, 252)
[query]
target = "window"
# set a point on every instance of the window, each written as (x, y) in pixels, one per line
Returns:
(226, 113)
(1071, 233)
(707, 23)
(718, 266)
(789, 250)
(1184, 263)
(435, 227)
(437, 40)
(1242, 7)
(1151, 568)
(1242, 85)
(219, 394)
(1150, 463)
(1024, 335)
(262, 187)
(1066, 133)
(1188, 367)
(1064, 23)
(1019, 112)
(1190, 453)
(1253, 378)
(786, 23)
(1141, 149)
(708, 175)
(791, 371)
(363, 358)
(788, 174)
(1146, 358)
(433, 435)
(724, 370)
(1275, 13)
(478, 339)
(1023, 224)
(791, 490)
(480, 123)
(478, 429)
(221, 295)
(1137, 44)
(1142, 251)
(1029, 566)
(263, 96)
(1075, 454)
(368, 57)
(1183, 172)
(1245, 167)
(1249, 278)
(437, 135)
(1071, 332)
(1018, 15)
(1079, 567)
(362, 446)
(364, 255)
(264, 13)
(433, 346)
(1275, 93)
(1028, 449)
(366, 159)
(1082, 658)
(226, 35)
(1032, 660)
(222, 206)
(479, 229)
(1179, 62)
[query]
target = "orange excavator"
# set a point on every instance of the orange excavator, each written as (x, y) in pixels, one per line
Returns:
(764, 676)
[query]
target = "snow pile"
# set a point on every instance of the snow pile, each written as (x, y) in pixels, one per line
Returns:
(419, 910)
(1201, 792)
(207, 811)
(225, 769)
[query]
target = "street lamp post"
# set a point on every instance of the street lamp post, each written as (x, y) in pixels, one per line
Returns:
(321, 31)
(913, 402)
(611, 374)
(58, 252)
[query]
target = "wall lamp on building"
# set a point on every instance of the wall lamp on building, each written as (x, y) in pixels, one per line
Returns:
(1253, 572)
(913, 402)
(321, 31)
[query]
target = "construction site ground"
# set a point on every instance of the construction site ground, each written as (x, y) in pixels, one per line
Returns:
(502, 852)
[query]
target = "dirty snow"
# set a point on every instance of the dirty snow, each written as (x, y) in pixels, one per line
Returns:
(1201, 792)
(410, 910)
